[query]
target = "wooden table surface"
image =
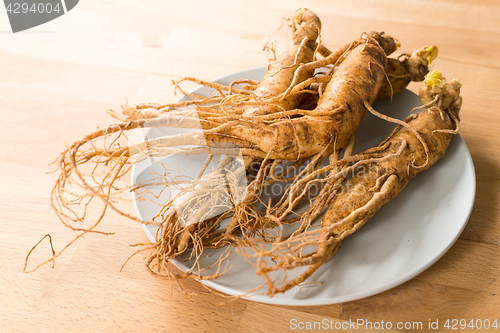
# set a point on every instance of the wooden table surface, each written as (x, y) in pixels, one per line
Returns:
(58, 80)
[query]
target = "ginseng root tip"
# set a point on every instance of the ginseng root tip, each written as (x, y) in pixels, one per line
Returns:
(433, 79)
(433, 53)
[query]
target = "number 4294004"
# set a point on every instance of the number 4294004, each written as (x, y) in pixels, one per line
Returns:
(455, 324)
(23, 8)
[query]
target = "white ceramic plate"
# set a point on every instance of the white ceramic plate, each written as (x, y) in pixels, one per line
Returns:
(403, 239)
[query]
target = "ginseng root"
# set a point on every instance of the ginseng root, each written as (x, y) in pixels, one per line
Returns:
(415, 145)
(328, 128)
(338, 114)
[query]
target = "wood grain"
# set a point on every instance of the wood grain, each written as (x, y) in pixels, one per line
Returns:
(58, 80)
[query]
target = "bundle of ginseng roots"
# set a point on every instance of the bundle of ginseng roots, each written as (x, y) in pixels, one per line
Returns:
(296, 127)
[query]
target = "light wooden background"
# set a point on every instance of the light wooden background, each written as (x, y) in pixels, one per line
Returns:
(57, 81)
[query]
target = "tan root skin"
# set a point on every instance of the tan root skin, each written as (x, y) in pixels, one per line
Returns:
(357, 79)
